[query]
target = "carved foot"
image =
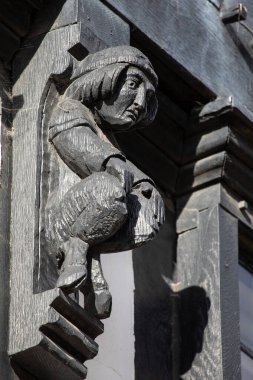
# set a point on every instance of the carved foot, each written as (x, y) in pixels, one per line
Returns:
(73, 272)
(103, 303)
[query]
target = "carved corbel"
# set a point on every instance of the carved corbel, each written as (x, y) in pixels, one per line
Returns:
(89, 199)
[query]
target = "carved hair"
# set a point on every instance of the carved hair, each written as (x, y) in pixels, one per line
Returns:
(96, 80)
(96, 85)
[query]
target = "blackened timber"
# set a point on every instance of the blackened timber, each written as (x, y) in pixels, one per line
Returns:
(223, 167)
(5, 201)
(41, 360)
(170, 109)
(228, 261)
(37, 4)
(16, 19)
(167, 138)
(208, 261)
(237, 141)
(200, 173)
(150, 159)
(74, 341)
(11, 44)
(112, 30)
(79, 317)
(226, 108)
(53, 15)
(211, 196)
(198, 21)
(166, 132)
(14, 24)
(183, 92)
(205, 144)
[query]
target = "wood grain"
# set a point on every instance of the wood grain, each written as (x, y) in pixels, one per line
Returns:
(5, 188)
(39, 334)
(208, 258)
(193, 36)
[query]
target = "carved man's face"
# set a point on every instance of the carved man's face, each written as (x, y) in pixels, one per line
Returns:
(129, 105)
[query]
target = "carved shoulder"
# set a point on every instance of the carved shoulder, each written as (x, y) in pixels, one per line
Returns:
(67, 114)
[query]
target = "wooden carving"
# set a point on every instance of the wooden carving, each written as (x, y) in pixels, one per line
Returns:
(93, 199)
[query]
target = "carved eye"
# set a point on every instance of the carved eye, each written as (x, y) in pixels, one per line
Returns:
(133, 84)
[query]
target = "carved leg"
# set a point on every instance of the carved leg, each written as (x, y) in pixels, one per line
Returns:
(139, 228)
(98, 298)
(74, 267)
(90, 212)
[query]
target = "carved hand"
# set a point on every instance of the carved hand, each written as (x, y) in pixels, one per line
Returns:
(119, 169)
(154, 208)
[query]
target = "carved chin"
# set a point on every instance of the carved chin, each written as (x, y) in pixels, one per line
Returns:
(122, 124)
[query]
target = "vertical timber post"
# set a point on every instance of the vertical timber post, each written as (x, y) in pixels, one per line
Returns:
(215, 183)
(208, 258)
(5, 188)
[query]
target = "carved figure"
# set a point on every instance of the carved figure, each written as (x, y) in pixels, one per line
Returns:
(98, 200)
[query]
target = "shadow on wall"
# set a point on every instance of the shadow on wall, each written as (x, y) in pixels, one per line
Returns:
(193, 307)
(169, 327)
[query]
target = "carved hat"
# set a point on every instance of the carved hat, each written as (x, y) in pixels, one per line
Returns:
(119, 54)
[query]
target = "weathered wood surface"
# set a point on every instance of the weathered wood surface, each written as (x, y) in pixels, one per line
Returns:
(112, 31)
(40, 353)
(215, 194)
(26, 309)
(66, 340)
(53, 15)
(5, 179)
(193, 35)
(230, 329)
(229, 109)
(222, 167)
(219, 148)
(208, 259)
(234, 139)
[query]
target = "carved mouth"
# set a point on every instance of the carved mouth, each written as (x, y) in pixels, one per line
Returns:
(133, 114)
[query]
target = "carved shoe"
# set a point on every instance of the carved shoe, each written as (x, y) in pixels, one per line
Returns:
(73, 272)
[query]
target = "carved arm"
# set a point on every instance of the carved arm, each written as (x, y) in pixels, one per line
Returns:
(83, 151)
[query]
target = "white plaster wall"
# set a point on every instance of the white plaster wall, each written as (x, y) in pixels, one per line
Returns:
(115, 360)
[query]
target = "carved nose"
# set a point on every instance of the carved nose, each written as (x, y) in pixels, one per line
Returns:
(140, 99)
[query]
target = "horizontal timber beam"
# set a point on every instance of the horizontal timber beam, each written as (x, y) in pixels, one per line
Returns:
(193, 35)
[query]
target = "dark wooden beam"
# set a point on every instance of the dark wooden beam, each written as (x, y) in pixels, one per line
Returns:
(15, 21)
(193, 35)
